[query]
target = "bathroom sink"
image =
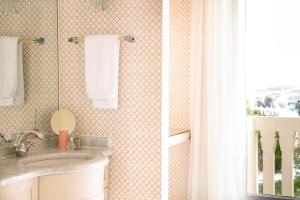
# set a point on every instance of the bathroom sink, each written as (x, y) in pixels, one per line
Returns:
(55, 159)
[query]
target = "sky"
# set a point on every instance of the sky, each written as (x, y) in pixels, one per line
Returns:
(273, 43)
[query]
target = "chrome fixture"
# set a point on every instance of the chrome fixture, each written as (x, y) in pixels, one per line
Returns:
(4, 139)
(22, 146)
(80, 40)
(39, 41)
(29, 40)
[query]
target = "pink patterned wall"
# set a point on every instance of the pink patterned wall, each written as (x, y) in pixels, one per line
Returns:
(180, 23)
(180, 17)
(179, 171)
(36, 18)
(135, 167)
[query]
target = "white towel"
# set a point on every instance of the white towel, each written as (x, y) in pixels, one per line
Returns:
(16, 96)
(101, 70)
(8, 66)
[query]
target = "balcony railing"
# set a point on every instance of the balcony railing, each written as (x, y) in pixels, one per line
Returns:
(267, 127)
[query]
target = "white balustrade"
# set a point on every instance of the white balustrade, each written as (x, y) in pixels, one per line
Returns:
(268, 126)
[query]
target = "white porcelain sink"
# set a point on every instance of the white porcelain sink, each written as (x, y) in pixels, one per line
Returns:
(55, 159)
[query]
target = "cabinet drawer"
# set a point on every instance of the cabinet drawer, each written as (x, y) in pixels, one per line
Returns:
(74, 186)
(25, 190)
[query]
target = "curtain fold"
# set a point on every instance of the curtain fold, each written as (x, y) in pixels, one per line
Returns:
(218, 113)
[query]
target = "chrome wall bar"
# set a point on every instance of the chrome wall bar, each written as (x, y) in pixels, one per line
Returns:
(29, 40)
(80, 40)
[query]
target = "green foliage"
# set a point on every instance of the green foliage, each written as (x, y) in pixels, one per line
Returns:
(278, 155)
(252, 112)
(297, 160)
(297, 173)
(260, 152)
(260, 188)
(278, 159)
(268, 102)
(297, 186)
(297, 107)
(278, 187)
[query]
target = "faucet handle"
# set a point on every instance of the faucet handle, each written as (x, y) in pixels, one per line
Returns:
(5, 138)
(14, 144)
(28, 145)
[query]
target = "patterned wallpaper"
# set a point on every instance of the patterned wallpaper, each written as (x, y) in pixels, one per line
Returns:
(179, 171)
(180, 17)
(35, 18)
(180, 22)
(135, 166)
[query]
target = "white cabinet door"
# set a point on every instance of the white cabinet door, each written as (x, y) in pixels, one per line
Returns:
(23, 190)
(86, 185)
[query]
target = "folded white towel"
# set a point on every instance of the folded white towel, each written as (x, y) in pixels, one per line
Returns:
(18, 99)
(8, 66)
(109, 103)
(101, 70)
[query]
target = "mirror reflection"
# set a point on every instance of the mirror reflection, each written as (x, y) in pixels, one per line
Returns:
(34, 24)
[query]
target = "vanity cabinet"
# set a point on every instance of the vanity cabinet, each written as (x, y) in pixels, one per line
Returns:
(25, 190)
(106, 182)
(86, 185)
(83, 185)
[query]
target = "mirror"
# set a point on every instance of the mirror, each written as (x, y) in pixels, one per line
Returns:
(273, 46)
(32, 19)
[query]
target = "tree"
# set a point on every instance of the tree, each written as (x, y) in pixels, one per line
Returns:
(278, 155)
(297, 107)
(268, 102)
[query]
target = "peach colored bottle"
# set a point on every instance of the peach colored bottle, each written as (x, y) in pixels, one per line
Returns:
(63, 139)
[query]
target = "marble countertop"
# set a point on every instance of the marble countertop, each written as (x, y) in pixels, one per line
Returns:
(51, 161)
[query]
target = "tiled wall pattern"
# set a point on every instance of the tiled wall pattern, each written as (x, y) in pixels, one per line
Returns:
(179, 171)
(35, 18)
(180, 23)
(135, 127)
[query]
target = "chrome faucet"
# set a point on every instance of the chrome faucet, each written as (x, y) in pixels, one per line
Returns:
(5, 138)
(2, 138)
(21, 145)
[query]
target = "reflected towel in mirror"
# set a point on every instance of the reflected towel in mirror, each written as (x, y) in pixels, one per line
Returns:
(11, 72)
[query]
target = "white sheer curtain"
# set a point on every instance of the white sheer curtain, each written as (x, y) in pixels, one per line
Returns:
(218, 152)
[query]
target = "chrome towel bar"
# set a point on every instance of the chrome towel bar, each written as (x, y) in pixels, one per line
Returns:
(80, 40)
(29, 40)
